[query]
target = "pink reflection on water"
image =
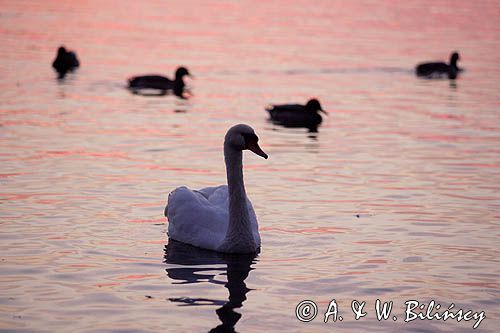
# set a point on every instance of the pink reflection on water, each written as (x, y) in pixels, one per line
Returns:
(140, 277)
(375, 242)
(321, 230)
(108, 284)
(75, 152)
(376, 261)
(355, 273)
(462, 249)
(19, 196)
(187, 170)
(402, 145)
(155, 242)
(161, 220)
(480, 198)
(6, 175)
(288, 260)
(489, 285)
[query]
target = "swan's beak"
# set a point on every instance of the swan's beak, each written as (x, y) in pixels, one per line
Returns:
(254, 146)
(321, 110)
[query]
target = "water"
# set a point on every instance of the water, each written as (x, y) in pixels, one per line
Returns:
(396, 198)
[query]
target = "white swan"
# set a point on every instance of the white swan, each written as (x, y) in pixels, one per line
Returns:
(219, 218)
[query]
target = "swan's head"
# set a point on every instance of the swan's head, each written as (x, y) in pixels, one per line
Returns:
(314, 106)
(241, 137)
(454, 57)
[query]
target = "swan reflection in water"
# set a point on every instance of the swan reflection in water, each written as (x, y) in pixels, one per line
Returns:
(237, 268)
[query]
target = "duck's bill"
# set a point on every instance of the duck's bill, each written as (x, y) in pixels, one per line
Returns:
(254, 146)
(321, 110)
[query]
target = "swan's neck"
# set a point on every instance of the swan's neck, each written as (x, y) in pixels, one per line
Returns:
(239, 237)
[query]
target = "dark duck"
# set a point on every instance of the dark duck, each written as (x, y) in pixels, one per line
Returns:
(440, 69)
(297, 115)
(159, 82)
(66, 61)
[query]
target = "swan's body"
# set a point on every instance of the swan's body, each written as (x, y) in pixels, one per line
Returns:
(439, 69)
(201, 218)
(160, 82)
(297, 115)
(219, 218)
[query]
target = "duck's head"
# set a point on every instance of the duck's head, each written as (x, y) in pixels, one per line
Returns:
(454, 58)
(241, 137)
(314, 106)
(61, 50)
(182, 71)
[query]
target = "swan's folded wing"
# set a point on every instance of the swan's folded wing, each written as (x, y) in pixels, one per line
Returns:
(210, 193)
(197, 217)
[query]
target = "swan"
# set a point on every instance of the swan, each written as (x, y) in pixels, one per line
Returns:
(439, 69)
(160, 82)
(297, 115)
(219, 218)
(65, 61)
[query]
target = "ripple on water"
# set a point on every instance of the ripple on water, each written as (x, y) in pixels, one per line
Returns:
(395, 197)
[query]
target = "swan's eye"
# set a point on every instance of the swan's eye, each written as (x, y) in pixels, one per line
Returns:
(249, 139)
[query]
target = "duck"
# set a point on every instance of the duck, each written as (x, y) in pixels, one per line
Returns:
(297, 115)
(440, 69)
(160, 82)
(219, 218)
(65, 61)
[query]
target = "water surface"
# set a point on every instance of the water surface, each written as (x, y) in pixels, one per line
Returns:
(396, 198)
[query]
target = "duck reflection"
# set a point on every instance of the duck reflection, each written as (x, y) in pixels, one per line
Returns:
(237, 269)
(184, 93)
